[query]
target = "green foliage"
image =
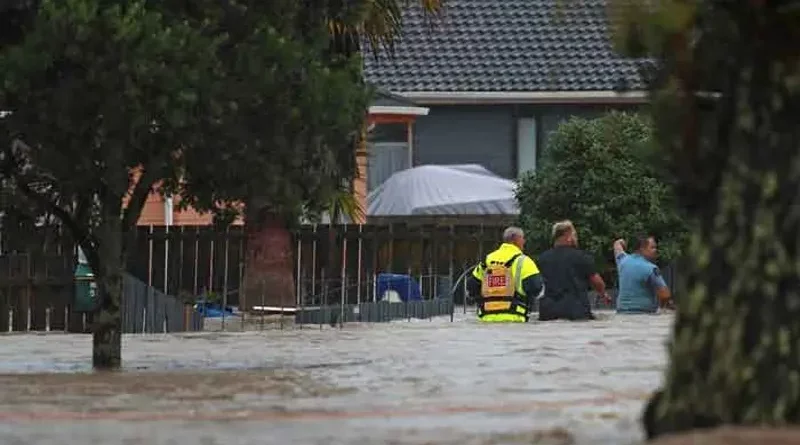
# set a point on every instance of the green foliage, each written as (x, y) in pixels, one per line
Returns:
(280, 135)
(91, 97)
(595, 173)
(222, 105)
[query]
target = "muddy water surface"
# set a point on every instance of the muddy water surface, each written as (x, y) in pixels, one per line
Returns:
(399, 383)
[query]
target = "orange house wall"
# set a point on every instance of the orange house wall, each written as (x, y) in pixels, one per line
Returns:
(153, 214)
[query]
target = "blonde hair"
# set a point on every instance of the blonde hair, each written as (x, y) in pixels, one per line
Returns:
(562, 228)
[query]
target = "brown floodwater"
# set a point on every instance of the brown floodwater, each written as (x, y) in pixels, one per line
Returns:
(404, 382)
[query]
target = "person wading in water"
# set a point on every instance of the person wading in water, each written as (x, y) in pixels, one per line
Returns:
(568, 272)
(641, 287)
(506, 282)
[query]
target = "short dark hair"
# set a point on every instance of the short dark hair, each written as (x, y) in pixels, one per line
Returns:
(642, 240)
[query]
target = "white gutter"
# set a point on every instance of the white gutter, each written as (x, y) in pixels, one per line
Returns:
(525, 97)
(407, 111)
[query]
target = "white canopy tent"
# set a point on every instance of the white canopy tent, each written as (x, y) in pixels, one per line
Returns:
(467, 189)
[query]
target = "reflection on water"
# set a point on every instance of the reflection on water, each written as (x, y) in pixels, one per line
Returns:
(424, 381)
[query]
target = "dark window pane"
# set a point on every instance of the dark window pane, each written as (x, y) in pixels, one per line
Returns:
(389, 133)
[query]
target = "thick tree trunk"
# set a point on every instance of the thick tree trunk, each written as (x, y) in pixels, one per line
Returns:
(735, 352)
(735, 436)
(269, 271)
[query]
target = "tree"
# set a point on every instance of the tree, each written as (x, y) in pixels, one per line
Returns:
(726, 98)
(109, 101)
(277, 165)
(89, 99)
(308, 175)
(595, 172)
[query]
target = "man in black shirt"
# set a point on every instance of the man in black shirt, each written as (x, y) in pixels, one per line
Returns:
(567, 272)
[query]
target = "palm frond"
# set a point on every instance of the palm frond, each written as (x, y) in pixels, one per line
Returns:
(344, 203)
(378, 22)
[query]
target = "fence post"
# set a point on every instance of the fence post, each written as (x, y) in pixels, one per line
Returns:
(242, 287)
(196, 270)
(314, 262)
(150, 256)
(166, 259)
(358, 270)
(5, 300)
(28, 294)
(344, 277)
(299, 274)
(225, 280)
(181, 257)
(211, 265)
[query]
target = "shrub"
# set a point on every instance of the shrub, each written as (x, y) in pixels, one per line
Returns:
(599, 174)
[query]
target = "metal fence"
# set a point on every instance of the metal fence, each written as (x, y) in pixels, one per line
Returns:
(329, 260)
(336, 268)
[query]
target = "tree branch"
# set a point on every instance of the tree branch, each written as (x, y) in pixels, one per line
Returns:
(82, 236)
(142, 189)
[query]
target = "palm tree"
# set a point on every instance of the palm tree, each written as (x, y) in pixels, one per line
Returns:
(378, 23)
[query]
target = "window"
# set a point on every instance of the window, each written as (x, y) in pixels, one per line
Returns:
(385, 159)
(526, 145)
(388, 153)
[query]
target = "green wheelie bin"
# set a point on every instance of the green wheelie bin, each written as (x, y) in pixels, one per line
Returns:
(85, 287)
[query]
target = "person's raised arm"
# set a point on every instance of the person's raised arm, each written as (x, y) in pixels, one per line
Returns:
(619, 250)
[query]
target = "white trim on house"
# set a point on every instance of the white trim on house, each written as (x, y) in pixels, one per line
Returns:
(408, 111)
(525, 97)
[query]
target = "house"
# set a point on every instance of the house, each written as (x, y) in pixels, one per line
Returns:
(498, 76)
(486, 84)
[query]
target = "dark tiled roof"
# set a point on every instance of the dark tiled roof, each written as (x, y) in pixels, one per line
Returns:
(506, 45)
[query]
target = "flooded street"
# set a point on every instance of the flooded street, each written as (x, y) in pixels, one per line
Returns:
(418, 382)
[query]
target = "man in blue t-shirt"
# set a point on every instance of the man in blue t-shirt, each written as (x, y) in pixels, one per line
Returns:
(641, 286)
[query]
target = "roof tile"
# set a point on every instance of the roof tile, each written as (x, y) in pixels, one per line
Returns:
(506, 45)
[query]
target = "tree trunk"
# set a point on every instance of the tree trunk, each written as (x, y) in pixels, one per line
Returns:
(269, 270)
(735, 351)
(107, 326)
(108, 266)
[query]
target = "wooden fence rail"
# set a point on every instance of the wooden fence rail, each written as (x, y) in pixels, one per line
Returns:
(35, 292)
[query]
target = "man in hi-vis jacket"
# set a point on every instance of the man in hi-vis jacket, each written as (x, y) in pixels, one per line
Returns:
(506, 282)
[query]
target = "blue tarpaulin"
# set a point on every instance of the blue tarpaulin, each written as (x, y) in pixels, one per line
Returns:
(213, 310)
(394, 287)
